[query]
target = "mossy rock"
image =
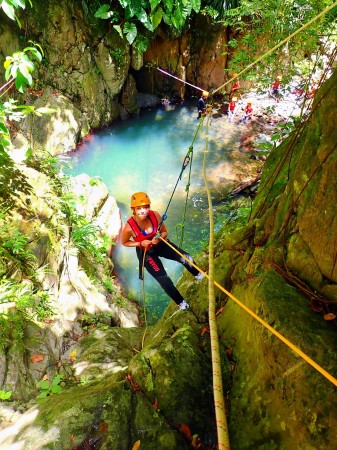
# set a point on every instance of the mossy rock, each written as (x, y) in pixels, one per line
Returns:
(288, 402)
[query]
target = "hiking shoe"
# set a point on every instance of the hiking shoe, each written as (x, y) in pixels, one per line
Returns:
(199, 277)
(183, 305)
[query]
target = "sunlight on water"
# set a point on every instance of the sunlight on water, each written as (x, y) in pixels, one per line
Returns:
(146, 154)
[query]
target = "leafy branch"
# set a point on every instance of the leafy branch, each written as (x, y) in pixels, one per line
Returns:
(135, 15)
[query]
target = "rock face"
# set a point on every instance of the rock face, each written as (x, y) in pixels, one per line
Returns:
(131, 392)
(286, 251)
(197, 57)
(63, 274)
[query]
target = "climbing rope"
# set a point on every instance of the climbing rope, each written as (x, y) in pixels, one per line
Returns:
(316, 366)
(187, 188)
(219, 403)
(179, 79)
(267, 53)
(187, 160)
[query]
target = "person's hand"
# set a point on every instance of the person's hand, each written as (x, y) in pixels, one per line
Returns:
(155, 241)
(145, 243)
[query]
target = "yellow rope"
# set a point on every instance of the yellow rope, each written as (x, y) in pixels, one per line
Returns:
(219, 403)
(327, 9)
(316, 366)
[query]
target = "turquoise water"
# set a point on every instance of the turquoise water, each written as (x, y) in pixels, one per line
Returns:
(146, 154)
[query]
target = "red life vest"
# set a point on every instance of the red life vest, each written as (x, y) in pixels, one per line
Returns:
(236, 85)
(249, 109)
(140, 236)
(232, 106)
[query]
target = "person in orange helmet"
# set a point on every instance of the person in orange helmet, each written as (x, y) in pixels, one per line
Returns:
(141, 231)
(231, 108)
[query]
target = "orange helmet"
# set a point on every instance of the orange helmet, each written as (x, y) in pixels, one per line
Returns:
(139, 199)
(234, 99)
(205, 94)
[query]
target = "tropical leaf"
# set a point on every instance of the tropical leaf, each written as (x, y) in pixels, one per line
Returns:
(141, 43)
(130, 30)
(154, 4)
(43, 394)
(34, 52)
(156, 18)
(169, 5)
(44, 384)
(20, 82)
(130, 11)
(141, 15)
(56, 389)
(3, 128)
(104, 12)
(196, 5)
(8, 9)
(119, 30)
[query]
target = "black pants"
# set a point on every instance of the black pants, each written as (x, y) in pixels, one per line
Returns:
(155, 267)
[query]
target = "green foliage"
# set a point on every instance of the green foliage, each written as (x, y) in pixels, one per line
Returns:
(19, 67)
(14, 252)
(108, 283)
(11, 330)
(98, 321)
(50, 165)
(18, 71)
(9, 7)
(12, 181)
(5, 395)
(88, 239)
(28, 301)
(259, 26)
(138, 19)
(86, 236)
(48, 389)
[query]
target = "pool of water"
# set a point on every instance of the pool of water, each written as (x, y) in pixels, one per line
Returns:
(146, 154)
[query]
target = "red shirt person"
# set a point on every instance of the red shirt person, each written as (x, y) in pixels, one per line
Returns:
(248, 112)
(276, 88)
(236, 85)
(231, 108)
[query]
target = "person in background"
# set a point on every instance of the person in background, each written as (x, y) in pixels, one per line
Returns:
(276, 88)
(236, 85)
(141, 232)
(313, 88)
(202, 103)
(231, 108)
(248, 112)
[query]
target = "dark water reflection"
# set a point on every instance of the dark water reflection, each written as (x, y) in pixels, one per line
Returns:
(146, 154)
